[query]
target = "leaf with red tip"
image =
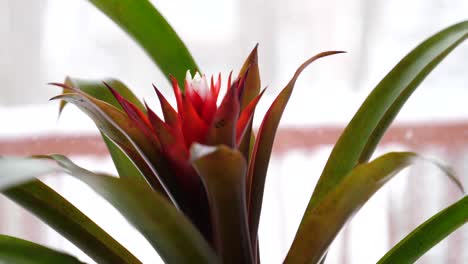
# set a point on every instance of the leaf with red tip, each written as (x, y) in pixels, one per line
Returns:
(245, 119)
(251, 90)
(176, 153)
(98, 90)
(223, 127)
(264, 144)
(252, 82)
(136, 115)
(124, 164)
(118, 126)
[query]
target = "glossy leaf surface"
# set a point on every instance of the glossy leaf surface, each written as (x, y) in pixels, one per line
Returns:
(263, 147)
(19, 251)
(251, 90)
(320, 227)
(143, 22)
(361, 136)
(223, 172)
(166, 229)
(96, 88)
(63, 217)
(428, 234)
(169, 231)
(117, 126)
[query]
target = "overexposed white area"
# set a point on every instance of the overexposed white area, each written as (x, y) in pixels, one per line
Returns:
(44, 41)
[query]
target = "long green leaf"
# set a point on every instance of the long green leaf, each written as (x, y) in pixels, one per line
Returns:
(122, 162)
(143, 22)
(11, 176)
(166, 229)
(19, 251)
(319, 228)
(223, 172)
(363, 133)
(264, 145)
(428, 234)
(117, 126)
(67, 220)
(96, 88)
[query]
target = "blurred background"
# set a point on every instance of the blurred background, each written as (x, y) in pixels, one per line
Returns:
(44, 41)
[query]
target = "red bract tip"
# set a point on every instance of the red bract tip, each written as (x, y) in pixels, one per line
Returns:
(135, 114)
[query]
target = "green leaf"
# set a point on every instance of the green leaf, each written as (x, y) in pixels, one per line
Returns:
(166, 229)
(361, 136)
(124, 165)
(142, 146)
(251, 90)
(320, 227)
(65, 218)
(142, 21)
(264, 144)
(223, 172)
(19, 251)
(96, 88)
(117, 126)
(29, 169)
(429, 234)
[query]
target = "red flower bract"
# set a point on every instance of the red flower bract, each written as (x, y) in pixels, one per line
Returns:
(221, 191)
(198, 119)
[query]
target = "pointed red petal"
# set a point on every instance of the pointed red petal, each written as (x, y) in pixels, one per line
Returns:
(171, 143)
(193, 127)
(170, 115)
(162, 130)
(209, 108)
(194, 97)
(177, 94)
(64, 86)
(136, 115)
(216, 87)
(246, 117)
(223, 127)
(252, 86)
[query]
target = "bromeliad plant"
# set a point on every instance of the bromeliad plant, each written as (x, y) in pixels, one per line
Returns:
(192, 180)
